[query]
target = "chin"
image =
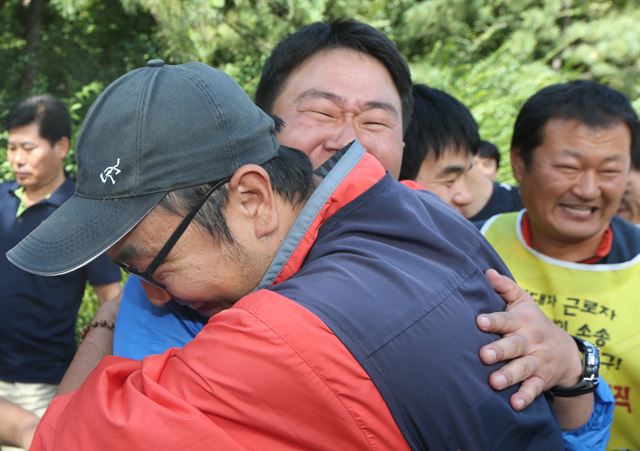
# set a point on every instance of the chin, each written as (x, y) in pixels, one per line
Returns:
(577, 235)
(580, 227)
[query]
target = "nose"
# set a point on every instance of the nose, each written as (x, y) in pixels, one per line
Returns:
(586, 187)
(156, 295)
(343, 134)
(19, 157)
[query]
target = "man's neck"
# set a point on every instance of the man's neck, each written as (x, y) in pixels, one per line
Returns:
(33, 195)
(571, 252)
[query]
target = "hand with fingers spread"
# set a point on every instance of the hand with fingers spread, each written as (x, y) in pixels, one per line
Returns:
(540, 354)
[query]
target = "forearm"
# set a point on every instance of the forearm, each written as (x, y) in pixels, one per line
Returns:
(96, 344)
(594, 435)
(17, 425)
(108, 292)
(573, 412)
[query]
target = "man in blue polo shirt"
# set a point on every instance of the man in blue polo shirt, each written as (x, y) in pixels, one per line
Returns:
(37, 333)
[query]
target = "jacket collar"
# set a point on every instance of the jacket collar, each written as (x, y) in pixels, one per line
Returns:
(347, 175)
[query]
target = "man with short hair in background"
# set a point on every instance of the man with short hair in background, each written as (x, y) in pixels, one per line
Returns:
(572, 148)
(37, 336)
(441, 147)
(488, 159)
(440, 144)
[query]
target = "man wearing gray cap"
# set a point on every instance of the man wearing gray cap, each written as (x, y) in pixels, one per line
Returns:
(340, 318)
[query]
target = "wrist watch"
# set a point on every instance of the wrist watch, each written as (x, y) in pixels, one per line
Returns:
(590, 367)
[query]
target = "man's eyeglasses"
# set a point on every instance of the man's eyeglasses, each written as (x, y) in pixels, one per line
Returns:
(147, 274)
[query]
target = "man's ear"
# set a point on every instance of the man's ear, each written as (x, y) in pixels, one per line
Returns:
(157, 296)
(61, 147)
(252, 199)
(517, 164)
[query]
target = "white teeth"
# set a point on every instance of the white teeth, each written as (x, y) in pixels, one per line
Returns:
(578, 209)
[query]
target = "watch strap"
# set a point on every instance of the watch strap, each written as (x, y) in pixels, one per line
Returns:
(590, 368)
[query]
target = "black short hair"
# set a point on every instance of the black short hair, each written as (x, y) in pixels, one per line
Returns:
(587, 102)
(51, 115)
(298, 47)
(291, 178)
(487, 149)
(439, 121)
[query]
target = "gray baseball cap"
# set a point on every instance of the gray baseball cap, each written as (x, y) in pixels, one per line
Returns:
(153, 130)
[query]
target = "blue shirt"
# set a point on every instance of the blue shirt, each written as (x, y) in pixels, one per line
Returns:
(137, 328)
(37, 334)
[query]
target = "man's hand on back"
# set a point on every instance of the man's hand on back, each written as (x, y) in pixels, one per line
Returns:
(541, 354)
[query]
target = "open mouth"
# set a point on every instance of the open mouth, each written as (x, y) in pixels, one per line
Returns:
(579, 210)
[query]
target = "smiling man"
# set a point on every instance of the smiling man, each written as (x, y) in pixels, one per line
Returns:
(571, 152)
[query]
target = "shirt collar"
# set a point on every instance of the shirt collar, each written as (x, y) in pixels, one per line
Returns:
(57, 198)
(63, 193)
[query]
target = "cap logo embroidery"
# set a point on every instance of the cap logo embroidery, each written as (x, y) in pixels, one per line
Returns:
(109, 172)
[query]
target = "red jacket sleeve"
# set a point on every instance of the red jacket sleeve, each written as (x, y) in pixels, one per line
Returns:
(266, 374)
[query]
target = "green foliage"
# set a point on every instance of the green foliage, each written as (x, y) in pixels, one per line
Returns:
(491, 54)
(237, 36)
(84, 45)
(87, 311)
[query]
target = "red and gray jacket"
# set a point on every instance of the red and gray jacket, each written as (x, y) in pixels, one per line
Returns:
(362, 335)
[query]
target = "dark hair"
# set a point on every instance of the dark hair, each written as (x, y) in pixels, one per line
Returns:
(439, 121)
(291, 178)
(51, 115)
(487, 149)
(298, 47)
(588, 102)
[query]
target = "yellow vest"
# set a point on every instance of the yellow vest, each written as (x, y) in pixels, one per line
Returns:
(600, 303)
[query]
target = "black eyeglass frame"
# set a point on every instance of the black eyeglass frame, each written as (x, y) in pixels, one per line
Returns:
(147, 274)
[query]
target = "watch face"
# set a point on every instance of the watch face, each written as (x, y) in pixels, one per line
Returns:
(591, 360)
